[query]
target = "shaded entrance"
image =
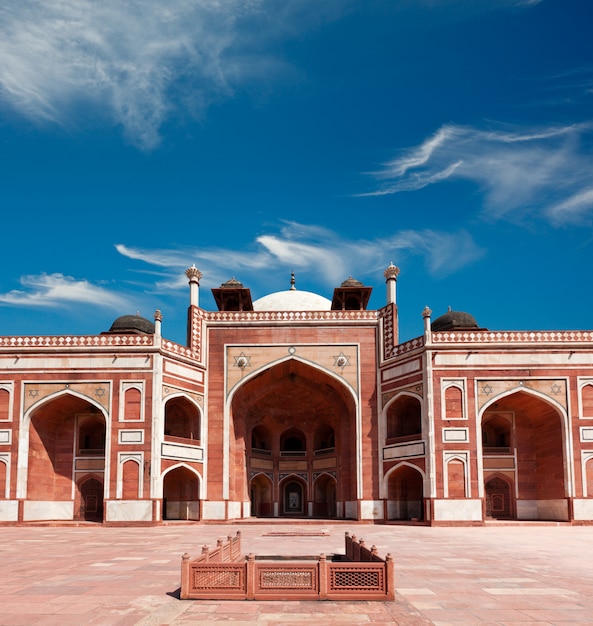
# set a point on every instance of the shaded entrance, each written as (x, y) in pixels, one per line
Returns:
(292, 444)
(324, 504)
(499, 499)
(91, 500)
(181, 495)
(294, 498)
(67, 439)
(405, 494)
(261, 496)
(523, 435)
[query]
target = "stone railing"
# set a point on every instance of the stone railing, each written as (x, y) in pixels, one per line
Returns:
(77, 341)
(514, 337)
(289, 316)
(218, 574)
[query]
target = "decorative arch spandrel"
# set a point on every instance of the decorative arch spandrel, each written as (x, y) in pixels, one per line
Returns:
(99, 392)
(555, 389)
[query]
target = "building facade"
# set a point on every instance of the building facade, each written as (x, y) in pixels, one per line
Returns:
(297, 406)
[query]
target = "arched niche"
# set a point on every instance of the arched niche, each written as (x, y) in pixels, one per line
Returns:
(182, 419)
(404, 418)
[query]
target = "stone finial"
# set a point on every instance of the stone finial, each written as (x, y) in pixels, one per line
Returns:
(158, 316)
(391, 272)
(292, 282)
(194, 274)
(426, 312)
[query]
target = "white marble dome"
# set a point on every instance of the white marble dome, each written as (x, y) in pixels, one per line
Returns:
(292, 300)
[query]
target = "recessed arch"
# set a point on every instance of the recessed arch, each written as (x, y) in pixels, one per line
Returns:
(294, 358)
(50, 442)
(324, 496)
(499, 496)
(281, 416)
(456, 476)
(404, 485)
(181, 485)
(539, 442)
(293, 496)
(88, 502)
(261, 495)
(403, 417)
(182, 418)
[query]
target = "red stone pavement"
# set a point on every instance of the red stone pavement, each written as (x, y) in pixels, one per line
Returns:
(506, 575)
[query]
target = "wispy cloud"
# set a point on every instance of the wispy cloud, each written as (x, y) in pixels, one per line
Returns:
(53, 290)
(123, 57)
(141, 63)
(321, 255)
(537, 171)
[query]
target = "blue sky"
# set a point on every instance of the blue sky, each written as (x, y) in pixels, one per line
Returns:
(255, 138)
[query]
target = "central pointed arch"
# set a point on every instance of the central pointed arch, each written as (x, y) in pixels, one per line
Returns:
(292, 418)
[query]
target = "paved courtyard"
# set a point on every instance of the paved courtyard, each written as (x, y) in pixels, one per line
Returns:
(506, 575)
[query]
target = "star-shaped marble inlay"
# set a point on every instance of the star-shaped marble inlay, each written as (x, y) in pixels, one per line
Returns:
(242, 361)
(33, 393)
(342, 360)
(556, 389)
(487, 389)
(100, 392)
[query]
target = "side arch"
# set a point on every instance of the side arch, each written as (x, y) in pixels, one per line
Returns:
(181, 487)
(54, 476)
(540, 441)
(404, 485)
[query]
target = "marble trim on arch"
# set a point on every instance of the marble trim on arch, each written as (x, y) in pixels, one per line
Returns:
(99, 392)
(555, 389)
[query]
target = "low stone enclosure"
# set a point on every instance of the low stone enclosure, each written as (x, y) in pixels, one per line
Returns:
(223, 573)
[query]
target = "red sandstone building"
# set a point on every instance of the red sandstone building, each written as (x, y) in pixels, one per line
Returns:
(297, 406)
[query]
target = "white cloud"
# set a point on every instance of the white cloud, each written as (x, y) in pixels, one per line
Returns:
(541, 171)
(53, 290)
(141, 63)
(122, 57)
(319, 254)
(573, 208)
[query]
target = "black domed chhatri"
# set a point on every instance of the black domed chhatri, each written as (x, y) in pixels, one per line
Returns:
(132, 324)
(455, 320)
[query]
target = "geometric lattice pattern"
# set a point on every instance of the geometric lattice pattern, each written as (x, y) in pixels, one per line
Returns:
(219, 577)
(354, 579)
(287, 578)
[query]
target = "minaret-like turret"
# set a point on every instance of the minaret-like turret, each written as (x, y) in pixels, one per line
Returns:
(194, 275)
(391, 274)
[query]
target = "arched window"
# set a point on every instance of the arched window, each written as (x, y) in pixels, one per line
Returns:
(182, 419)
(453, 402)
(293, 443)
(587, 400)
(4, 404)
(130, 480)
(133, 404)
(496, 434)
(404, 418)
(3, 476)
(325, 439)
(456, 478)
(261, 440)
(91, 435)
